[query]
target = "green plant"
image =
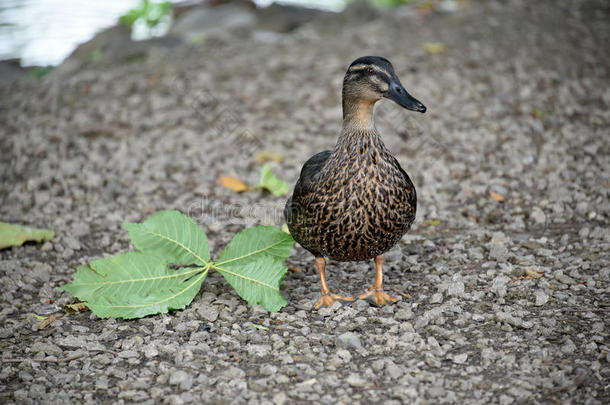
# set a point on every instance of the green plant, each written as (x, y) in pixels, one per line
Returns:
(39, 72)
(17, 235)
(386, 3)
(172, 263)
(151, 12)
(389, 3)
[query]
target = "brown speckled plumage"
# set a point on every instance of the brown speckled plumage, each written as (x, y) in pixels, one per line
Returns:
(357, 205)
(355, 202)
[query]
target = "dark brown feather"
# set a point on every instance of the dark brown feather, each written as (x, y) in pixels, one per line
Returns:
(352, 203)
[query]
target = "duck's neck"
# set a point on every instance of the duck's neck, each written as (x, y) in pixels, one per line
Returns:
(358, 133)
(358, 125)
(358, 114)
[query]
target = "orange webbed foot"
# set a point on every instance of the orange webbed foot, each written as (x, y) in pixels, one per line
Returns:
(378, 297)
(329, 298)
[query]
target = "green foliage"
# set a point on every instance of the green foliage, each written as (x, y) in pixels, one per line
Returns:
(39, 72)
(151, 12)
(272, 183)
(387, 3)
(17, 235)
(172, 236)
(172, 264)
(253, 263)
(134, 284)
(96, 55)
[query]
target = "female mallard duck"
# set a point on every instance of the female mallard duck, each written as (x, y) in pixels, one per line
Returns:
(355, 202)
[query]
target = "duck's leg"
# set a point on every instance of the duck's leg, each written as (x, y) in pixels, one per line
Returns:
(327, 297)
(375, 292)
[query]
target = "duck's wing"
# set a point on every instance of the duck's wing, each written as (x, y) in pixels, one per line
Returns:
(309, 170)
(306, 182)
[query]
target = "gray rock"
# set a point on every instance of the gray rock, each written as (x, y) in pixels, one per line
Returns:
(436, 298)
(181, 378)
(538, 216)
(541, 297)
(456, 287)
(460, 358)
(498, 252)
(355, 380)
(71, 242)
(403, 314)
(208, 312)
(394, 371)
(499, 286)
(568, 347)
(128, 354)
(150, 351)
(259, 350)
(348, 340)
(280, 398)
(72, 342)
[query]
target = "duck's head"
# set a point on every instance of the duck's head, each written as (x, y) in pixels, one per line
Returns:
(371, 78)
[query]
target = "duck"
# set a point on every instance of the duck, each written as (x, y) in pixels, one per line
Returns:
(355, 202)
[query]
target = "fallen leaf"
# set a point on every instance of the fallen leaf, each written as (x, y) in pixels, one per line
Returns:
(261, 327)
(267, 156)
(233, 183)
(434, 48)
(39, 317)
(531, 273)
(434, 222)
(76, 307)
(272, 183)
(538, 113)
(46, 322)
(17, 235)
(294, 269)
(496, 196)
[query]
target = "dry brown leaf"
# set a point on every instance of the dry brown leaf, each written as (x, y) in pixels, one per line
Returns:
(496, 196)
(531, 273)
(267, 156)
(46, 322)
(76, 307)
(233, 183)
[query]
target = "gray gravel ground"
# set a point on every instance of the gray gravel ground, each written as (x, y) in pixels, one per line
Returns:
(518, 105)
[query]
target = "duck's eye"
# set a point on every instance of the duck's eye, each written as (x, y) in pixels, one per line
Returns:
(369, 71)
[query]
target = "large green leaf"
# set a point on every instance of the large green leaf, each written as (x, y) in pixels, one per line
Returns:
(251, 243)
(171, 235)
(258, 281)
(133, 285)
(17, 235)
(253, 264)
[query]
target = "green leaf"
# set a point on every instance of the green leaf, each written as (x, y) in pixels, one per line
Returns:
(252, 243)
(270, 182)
(17, 235)
(171, 235)
(258, 282)
(151, 12)
(253, 263)
(134, 285)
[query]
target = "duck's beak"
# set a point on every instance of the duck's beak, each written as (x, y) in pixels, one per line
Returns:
(398, 94)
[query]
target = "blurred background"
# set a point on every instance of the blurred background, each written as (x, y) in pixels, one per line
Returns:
(113, 110)
(44, 32)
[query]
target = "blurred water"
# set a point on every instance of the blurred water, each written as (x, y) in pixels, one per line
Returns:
(45, 32)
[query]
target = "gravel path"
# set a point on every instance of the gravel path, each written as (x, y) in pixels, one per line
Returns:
(501, 302)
